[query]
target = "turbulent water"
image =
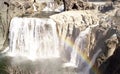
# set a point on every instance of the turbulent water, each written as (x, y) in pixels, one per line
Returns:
(50, 5)
(81, 44)
(78, 59)
(33, 38)
(36, 38)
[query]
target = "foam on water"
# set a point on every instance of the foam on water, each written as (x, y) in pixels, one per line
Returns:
(78, 57)
(33, 38)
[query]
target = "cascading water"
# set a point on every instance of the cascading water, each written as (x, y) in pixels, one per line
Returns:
(79, 48)
(33, 38)
(50, 5)
(79, 45)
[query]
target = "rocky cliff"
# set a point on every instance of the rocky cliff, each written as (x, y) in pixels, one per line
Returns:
(71, 23)
(10, 9)
(105, 36)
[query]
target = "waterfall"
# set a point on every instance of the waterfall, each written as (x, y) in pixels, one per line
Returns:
(34, 7)
(33, 38)
(79, 45)
(50, 5)
(79, 48)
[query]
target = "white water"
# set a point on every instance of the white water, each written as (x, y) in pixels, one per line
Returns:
(80, 43)
(60, 8)
(50, 5)
(87, 68)
(77, 59)
(33, 38)
(34, 7)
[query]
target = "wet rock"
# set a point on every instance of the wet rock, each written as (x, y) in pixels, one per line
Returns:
(67, 21)
(10, 9)
(101, 36)
(116, 19)
(4, 5)
(71, 23)
(110, 37)
(117, 13)
(112, 44)
(105, 8)
(78, 5)
(18, 8)
(112, 64)
(69, 26)
(116, 2)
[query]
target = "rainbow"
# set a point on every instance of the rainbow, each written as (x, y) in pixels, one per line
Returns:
(84, 56)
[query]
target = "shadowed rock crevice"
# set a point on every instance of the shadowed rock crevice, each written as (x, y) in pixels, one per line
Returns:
(112, 64)
(77, 5)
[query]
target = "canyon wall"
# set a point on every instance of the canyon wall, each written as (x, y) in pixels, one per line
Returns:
(105, 36)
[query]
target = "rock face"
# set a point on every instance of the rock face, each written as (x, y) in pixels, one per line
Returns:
(10, 9)
(104, 36)
(106, 7)
(3, 22)
(70, 24)
(112, 64)
(77, 5)
(68, 21)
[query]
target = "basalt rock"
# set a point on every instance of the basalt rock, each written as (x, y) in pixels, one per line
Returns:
(112, 64)
(70, 24)
(78, 5)
(112, 46)
(105, 8)
(4, 21)
(116, 19)
(104, 36)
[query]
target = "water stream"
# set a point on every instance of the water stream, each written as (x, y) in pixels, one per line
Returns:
(33, 38)
(34, 49)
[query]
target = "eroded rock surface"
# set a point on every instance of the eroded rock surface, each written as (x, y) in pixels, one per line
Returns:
(13, 8)
(105, 36)
(78, 5)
